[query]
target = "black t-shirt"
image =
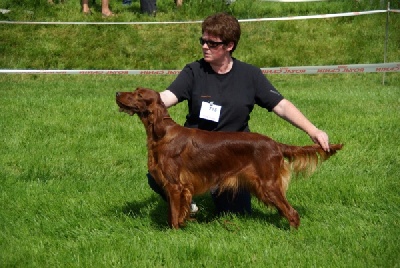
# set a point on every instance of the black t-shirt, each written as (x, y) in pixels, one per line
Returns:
(236, 92)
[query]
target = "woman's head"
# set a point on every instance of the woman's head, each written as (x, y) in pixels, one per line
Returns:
(224, 26)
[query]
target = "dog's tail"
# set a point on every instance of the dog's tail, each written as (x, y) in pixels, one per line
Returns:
(305, 159)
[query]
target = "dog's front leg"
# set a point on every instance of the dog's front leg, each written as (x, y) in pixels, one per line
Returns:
(174, 201)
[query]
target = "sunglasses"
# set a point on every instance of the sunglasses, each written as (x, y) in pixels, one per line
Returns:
(210, 44)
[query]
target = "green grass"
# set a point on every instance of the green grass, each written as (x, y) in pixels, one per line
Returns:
(74, 193)
(347, 40)
(73, 190)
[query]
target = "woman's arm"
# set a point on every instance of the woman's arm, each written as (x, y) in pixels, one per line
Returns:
(168, 98)
(286, 110)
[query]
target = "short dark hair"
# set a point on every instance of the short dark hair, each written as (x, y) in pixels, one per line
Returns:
(223, 26)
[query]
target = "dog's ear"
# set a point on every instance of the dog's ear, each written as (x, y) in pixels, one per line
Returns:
(149, 96)
(158, 121)
(156, 111)
(145, 99)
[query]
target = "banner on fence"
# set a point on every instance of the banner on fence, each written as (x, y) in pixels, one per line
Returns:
(330, 69)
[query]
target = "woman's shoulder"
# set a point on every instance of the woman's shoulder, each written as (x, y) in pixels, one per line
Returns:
(197, 64)
(246, 68)
(245, 65)
(198, 67)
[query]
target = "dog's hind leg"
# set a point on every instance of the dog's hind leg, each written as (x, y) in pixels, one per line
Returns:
(186, 199)
(286, 209)
(271, 194)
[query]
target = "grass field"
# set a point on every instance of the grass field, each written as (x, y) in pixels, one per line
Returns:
(73, 191)
(335, 41)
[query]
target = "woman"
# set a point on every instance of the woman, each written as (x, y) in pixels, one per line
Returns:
(221, 92)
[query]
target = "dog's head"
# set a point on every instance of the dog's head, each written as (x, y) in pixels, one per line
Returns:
(139, 101)
(147, 104)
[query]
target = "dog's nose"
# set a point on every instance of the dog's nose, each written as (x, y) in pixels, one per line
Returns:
(117, 94)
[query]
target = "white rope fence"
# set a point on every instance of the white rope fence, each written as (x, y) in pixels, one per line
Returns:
(331, 69)
(321, 16)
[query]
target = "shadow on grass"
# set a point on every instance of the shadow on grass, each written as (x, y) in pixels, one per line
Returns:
(156, 209)
(270, 215)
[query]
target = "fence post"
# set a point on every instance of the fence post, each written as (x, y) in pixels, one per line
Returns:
(386, 40)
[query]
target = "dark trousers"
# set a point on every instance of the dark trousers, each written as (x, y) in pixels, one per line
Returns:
(227, 201)
(148, 6)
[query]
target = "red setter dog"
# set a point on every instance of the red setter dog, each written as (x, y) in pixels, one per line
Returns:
(188, 162)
